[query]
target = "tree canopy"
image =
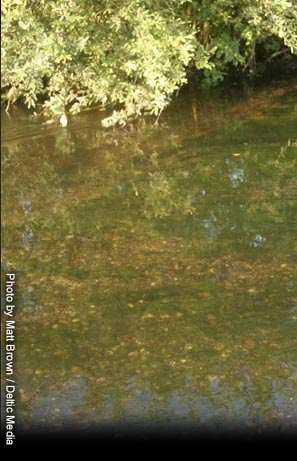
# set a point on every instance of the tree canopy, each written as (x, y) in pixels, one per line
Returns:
(132, 55)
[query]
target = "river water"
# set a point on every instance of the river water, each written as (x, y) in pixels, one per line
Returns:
(155, 265)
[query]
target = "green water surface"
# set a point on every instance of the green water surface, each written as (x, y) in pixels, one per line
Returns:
(156, 265)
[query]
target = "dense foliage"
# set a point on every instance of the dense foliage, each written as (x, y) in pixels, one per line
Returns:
(133, 54)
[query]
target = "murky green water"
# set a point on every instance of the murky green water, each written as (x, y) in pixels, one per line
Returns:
(155, 266)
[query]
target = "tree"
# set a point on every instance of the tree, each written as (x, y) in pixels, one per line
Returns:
(132, 54)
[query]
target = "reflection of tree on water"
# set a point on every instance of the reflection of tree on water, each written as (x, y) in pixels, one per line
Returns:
(158, 188)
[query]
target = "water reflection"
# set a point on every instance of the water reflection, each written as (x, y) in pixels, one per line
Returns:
(156, 273)
(26, 205)
(236, 174)
(27, 236)
(190, 405)
(258, 241)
